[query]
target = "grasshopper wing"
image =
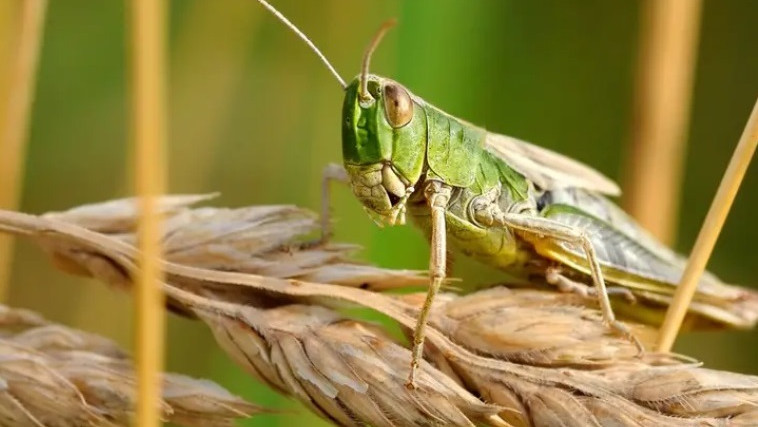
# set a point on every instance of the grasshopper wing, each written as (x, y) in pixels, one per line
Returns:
(632, 259)
(548, 169)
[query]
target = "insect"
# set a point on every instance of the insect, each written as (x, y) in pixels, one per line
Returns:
(532, 212)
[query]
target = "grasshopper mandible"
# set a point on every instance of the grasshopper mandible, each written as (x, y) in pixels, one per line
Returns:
(537, 214)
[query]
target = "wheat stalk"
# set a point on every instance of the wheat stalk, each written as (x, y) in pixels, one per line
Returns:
(15, 113)
(149, 126)
(498, 356)
(52, 375)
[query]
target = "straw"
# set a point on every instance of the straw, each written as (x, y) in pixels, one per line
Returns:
(665, 75)
(148, 21)
(712, 226)
(14, 119)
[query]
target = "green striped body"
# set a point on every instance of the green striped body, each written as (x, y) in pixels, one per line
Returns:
(383, 161)
(476, 173)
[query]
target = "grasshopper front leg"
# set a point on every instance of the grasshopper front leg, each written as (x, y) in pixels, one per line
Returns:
(555, 230)
(437, 196)
(332, 173)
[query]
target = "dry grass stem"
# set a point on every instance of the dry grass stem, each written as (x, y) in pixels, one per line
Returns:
(665, 75)
(709, 233)
(14, 118)
(522, 357)
(52, 375)
(149, 108)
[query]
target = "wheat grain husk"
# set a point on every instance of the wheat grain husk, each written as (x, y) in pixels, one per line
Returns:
(53, 375)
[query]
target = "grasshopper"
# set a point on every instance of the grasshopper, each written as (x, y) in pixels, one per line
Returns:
(532, 212)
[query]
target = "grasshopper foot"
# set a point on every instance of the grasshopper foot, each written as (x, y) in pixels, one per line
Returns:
(554, 277)
(410, 383)
(624, 331)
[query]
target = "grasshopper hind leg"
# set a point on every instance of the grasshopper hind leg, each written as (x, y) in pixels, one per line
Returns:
(544, 228)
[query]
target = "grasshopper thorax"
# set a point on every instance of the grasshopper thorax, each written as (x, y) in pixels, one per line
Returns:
(384, 137)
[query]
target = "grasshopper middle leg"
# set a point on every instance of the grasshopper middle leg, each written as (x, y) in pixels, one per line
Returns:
(437, 196)
(555, 277)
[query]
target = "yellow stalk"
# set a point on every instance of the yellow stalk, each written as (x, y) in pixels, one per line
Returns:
(148, 45)
(14, 118)
(662, 107)
(706, 240)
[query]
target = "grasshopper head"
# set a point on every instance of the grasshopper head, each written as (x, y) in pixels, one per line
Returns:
(383, 145)
(383, 134)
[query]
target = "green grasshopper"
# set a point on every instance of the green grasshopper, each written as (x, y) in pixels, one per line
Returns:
(529, 211)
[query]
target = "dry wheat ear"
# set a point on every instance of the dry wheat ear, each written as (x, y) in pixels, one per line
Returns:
(276, 302)
(52, 375)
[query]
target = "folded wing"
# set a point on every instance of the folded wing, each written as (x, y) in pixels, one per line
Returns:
(548, 169)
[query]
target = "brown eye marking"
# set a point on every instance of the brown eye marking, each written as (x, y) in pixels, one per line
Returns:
(398, 106)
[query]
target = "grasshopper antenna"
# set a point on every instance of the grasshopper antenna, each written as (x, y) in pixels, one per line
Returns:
(305, 39)
(363, 91)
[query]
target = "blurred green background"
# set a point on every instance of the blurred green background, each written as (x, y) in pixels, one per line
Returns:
(254, 115)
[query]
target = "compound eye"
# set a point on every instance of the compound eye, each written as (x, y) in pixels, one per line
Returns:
(398, 105)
